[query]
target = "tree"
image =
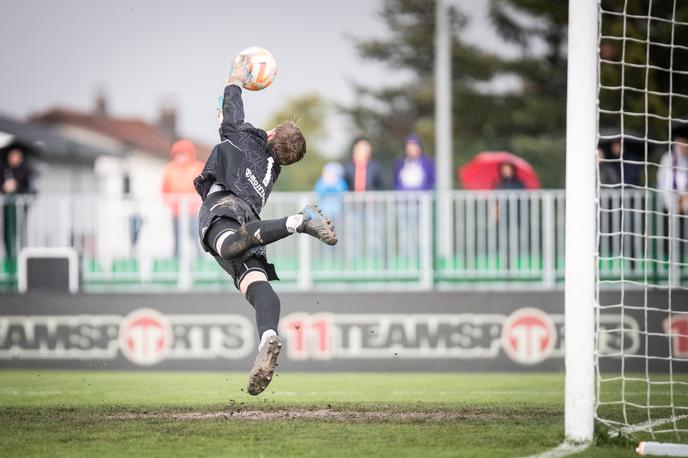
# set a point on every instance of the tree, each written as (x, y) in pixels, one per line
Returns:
(388, 114)
(536, 126)
(309, 112)
(623, 38)
(661, 69)
(529, 121)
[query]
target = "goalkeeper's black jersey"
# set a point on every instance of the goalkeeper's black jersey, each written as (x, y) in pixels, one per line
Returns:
(243, 162)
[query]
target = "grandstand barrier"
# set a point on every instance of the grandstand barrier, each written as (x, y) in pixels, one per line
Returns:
(388, 241)
(329, 331)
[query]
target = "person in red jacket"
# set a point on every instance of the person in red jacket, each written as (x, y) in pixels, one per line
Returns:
(179, 192)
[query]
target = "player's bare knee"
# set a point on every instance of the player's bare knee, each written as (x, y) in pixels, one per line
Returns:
(249, 278)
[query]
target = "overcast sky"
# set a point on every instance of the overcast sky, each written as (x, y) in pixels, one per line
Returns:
(143, 53)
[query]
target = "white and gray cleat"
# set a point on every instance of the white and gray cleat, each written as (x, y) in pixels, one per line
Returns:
(264, 366)
(317, 225)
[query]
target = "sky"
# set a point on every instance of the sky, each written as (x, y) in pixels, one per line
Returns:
(144, 54)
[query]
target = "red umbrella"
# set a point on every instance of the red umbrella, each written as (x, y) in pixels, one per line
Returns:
(483, 171)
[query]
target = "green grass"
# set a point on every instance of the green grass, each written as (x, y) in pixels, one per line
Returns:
(75, 413)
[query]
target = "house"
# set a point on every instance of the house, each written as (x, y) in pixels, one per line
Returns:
(132, 219)
(63, 165)
(141, 148)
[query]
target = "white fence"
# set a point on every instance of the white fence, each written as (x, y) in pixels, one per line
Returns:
(388, 240)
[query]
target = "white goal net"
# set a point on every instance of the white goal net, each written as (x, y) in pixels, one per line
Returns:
(642, 220)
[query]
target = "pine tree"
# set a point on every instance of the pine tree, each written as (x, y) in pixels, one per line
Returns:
(388, 114)
(531, 120)
(535, 127)
(657, 67)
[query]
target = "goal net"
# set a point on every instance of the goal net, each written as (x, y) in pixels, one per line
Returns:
(641, 315)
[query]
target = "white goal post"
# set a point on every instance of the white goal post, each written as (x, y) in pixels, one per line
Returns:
(579, 289)
(627, 210)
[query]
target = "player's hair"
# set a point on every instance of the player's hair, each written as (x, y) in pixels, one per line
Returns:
(288, 143)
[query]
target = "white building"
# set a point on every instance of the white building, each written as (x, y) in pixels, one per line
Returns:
(131, 218)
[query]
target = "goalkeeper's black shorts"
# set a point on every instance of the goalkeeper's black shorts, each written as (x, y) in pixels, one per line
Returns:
(222, 211)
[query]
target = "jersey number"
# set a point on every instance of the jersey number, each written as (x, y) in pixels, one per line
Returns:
(268, 174)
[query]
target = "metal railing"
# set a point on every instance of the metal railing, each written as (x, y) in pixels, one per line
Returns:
(388, 240)
(504, 238)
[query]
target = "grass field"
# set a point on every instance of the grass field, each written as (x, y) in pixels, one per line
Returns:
(70, 413)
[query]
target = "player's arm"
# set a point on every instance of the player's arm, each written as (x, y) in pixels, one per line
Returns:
(232, 104)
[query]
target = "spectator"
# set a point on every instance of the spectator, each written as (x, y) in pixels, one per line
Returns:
(608, 174)
(362, 227)
(16, 179)
(672, 181)
(507, 177)
(416, 171)
(363, 173)
(178, 189)
(672, 177)
(330, 187)
(508, 214)
(619, 164)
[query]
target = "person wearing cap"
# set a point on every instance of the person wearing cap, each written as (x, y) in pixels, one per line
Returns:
(415, 171)
(178, 188)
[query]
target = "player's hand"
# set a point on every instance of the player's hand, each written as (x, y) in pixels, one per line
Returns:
(239, 72)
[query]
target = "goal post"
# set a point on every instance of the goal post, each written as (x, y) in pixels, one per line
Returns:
(579, 289)
(626, 284)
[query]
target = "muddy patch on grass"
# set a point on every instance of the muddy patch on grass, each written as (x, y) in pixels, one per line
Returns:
(304, 414)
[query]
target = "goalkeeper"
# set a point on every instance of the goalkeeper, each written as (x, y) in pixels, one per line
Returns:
(234, 185)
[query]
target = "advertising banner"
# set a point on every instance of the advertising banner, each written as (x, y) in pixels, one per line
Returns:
(439, 331)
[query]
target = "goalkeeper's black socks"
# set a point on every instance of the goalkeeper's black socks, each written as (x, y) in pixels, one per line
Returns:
(243, 238)
(267, 304)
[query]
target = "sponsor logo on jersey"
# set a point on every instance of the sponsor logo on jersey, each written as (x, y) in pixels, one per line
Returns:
(260, 190)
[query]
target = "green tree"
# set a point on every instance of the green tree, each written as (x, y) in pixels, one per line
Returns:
(389, 113)
(535, 125)
(623, 39)
(309, 112)
(660, 68)
(530, 121)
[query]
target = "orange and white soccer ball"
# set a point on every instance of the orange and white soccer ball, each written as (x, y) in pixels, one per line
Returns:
(262, 68)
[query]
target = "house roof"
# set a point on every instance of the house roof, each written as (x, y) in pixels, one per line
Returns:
(131, 132)
(45, 142)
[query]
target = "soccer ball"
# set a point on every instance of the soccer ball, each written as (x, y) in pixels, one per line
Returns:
(262, 68)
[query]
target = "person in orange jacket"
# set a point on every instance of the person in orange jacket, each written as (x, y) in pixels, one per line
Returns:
(178, 189)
